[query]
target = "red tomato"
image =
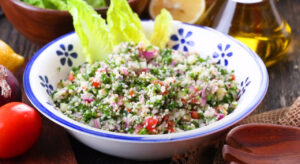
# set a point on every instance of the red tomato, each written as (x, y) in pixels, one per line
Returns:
(232, 77)
(195, 115)
(71, 77)
(171, 126)
(151, 124)
(96, 84)
(131, 93)
(20, 127)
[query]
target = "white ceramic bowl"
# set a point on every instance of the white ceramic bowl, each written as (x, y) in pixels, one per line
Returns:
(42, 74)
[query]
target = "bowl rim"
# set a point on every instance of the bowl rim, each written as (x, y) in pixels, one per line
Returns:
(147, 138)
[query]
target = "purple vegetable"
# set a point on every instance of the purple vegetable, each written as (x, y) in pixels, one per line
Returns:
(87, 97)
(145, 70)
(148, 55)
(220, 116)
(96, 123)
(141, 99)
(203, 96)
(127, 122)
(173, 63)
(124, 71)
(191, 89)
(9, 87)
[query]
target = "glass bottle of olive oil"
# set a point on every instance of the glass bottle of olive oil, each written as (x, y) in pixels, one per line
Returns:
(256, 23)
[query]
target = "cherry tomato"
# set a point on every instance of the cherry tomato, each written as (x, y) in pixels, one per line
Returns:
(20, 127)
(151, 124)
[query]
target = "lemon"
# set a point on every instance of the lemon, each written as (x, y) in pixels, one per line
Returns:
(188, 11)
(9, 59)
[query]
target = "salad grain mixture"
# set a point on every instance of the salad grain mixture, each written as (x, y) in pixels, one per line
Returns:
(146, 90)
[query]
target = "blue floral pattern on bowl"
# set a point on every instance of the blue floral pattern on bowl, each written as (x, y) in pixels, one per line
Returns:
(66, 53)
(244, 84)
(182, 40)
(223, 54)
(49, 103)
(45, 83)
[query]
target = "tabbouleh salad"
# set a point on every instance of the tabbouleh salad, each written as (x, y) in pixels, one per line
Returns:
(146, 90)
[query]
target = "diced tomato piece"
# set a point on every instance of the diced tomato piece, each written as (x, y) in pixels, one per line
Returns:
(194, 115)
(171, 126)
(218, 108)
(232, 77)
(171, 129)
(131, 93)
(194, 100)
(128, 109)
(96, 84)
(166, 92)
(166, 118)
(71, 77)
(161, 83)
(151, 124)
(192, 95)
(184, 100)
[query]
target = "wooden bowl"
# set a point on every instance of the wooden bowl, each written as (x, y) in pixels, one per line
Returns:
(43, 25)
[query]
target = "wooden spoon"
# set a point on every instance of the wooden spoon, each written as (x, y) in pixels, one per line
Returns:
(262, 143)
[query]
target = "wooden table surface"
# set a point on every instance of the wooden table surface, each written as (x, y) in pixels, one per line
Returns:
(284, 88)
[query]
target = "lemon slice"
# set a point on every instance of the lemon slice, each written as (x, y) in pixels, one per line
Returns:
(188, 11)
(9, 59)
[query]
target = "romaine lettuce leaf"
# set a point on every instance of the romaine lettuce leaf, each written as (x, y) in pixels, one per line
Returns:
(124, 24)
(96, 3)
(59, 4)
(91, 29)
(162, 29)
(48, 4)
(37, 3)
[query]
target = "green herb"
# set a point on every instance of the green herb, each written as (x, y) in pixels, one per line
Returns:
(105, 79)
(88, 115)
(173, 105)
(143, 131)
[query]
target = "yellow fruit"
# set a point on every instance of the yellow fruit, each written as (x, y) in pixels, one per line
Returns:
(188, 11)
(9, 59)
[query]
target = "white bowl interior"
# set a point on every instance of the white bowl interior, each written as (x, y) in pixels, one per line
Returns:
(45, 70)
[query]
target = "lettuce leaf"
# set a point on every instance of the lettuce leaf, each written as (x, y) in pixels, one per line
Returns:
(96, 3)
(37, 3)
(124, 24)
(48, 4)
(162, 29)
(91, 29)
(59, 4)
